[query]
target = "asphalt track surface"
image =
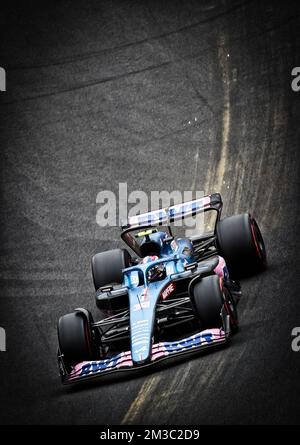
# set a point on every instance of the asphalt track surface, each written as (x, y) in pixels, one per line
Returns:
(164, 96)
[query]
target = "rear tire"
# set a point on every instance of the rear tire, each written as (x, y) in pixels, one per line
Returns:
(241, 244)
(75, 338)
(207, 300)
(107, 267)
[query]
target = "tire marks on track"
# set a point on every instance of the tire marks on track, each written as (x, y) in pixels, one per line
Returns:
(214, 182)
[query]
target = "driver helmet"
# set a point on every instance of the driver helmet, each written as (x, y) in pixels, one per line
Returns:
(156, 273)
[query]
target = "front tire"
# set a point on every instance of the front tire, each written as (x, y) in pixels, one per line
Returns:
(207, 300)
(209, 296)
(75, 338)
(241, 244)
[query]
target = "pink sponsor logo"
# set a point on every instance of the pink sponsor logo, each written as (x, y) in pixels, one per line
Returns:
(168, 291)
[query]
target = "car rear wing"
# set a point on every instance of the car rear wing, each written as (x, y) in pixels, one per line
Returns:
(170, 214)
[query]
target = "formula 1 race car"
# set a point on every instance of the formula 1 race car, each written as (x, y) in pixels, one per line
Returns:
(175, 296)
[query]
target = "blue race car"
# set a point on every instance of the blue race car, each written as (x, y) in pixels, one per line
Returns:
(175, 296)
